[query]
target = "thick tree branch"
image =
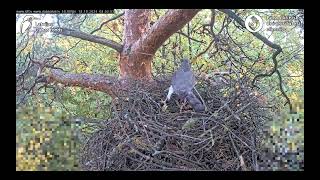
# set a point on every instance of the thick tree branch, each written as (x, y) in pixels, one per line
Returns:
(160, 31)
(107, 84)
(91, 38)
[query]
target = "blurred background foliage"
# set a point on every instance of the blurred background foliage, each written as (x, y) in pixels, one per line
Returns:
(48, 130)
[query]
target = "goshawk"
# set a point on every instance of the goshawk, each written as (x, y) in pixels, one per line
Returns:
(182, 84)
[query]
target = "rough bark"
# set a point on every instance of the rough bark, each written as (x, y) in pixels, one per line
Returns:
(167, 25)
(133, 64)
(142, 42)
(103, 83)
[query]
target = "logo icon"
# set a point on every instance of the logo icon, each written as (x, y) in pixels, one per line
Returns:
(27, 23)
(254, 23)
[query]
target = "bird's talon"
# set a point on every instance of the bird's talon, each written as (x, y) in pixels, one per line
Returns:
(164, 107)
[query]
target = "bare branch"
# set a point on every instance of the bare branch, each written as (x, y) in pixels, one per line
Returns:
(282, 91)
(233, 15)
(107, 84)
(111, 19)
(201, 53)
(196, 40)
(91, 38)
(212, 20)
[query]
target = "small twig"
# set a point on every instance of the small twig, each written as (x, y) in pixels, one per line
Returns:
(242, 164)
(111, 19)
(232, 112)
(201, 53)
(202, 101)
(190, 38)
(227, 118)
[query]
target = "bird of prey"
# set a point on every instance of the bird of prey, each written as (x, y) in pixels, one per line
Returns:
(182, 84)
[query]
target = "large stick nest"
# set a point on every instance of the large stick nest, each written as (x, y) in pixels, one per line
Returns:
(143, 135)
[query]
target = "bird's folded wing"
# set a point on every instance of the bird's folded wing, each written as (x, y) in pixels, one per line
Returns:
(183, 81)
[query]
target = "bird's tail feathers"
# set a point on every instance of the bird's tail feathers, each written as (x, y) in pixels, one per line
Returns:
(195, 102)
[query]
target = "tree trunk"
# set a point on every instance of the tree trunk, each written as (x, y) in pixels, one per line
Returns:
(134, 64)
(140, 43)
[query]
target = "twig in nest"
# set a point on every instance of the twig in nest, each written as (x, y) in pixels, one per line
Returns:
(242, 164)
(202, 147)
(202, 101)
